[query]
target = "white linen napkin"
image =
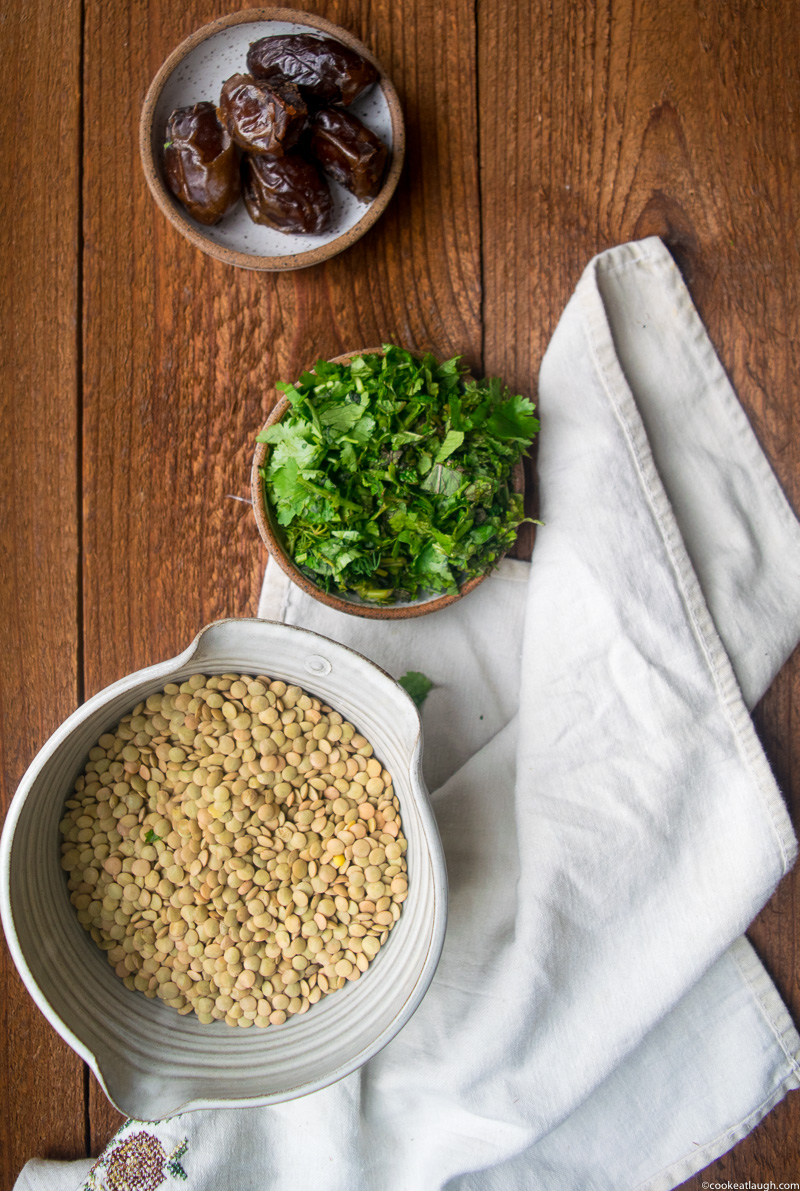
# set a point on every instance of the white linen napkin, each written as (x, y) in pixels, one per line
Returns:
(611, 825)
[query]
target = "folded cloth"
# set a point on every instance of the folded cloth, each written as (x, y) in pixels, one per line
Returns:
(611, 824)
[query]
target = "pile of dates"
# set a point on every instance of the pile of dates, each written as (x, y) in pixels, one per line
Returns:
(276, 133)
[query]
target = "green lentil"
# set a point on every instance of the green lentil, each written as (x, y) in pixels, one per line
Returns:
(236, 849)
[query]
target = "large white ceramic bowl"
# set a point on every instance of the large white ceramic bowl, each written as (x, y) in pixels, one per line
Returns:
(151, 1061)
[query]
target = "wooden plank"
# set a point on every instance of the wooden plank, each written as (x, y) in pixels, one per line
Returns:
(41, 1080)
(181, 352)
(602, 123)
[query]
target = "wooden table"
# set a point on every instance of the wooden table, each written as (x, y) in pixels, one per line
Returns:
(136, 371)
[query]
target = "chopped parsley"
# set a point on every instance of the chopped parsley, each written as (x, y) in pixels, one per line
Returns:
(390, 476)
(417, 685)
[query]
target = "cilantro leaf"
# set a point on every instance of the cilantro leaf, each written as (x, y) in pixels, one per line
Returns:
(362, 431)
(347, 457)
(443, 479)
(513, 419)
(417, 685)
(290, 498)
(451, 443)
(403, 439)
(295, 398)
(342, 417)
(432, 562)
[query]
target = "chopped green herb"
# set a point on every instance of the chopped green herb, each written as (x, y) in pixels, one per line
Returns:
(167, 144)
(390, 476)
(417, 685)
(151, 837)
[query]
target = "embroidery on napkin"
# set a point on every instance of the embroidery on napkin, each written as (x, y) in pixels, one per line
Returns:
(137, 1162)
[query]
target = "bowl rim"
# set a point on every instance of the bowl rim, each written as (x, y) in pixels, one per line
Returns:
(166, 201)
(420, 795)
(277, 552)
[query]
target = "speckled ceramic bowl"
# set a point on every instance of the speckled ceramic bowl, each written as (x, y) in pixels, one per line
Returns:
(271, 536)
(151, 1061)
(195, 71)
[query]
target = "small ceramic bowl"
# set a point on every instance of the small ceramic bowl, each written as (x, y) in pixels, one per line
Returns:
(352, 604)
(195, 71)
(151, 1061)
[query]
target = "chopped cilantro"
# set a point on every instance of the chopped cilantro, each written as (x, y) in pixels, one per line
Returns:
(390, 476)
(417, 685)
(151, 837)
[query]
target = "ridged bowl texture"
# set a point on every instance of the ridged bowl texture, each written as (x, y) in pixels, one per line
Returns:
(151, 1061)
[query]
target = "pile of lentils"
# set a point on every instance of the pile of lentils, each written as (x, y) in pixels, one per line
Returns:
(236, 849)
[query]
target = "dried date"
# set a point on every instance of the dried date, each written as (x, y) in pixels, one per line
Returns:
(287, 193)
(321, 67)
(349, 152)
(201, 163)
(262, 117)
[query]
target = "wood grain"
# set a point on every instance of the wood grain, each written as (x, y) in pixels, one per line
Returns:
(181, 352)
(41, 1080)
(140, 370)
(676, 119)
